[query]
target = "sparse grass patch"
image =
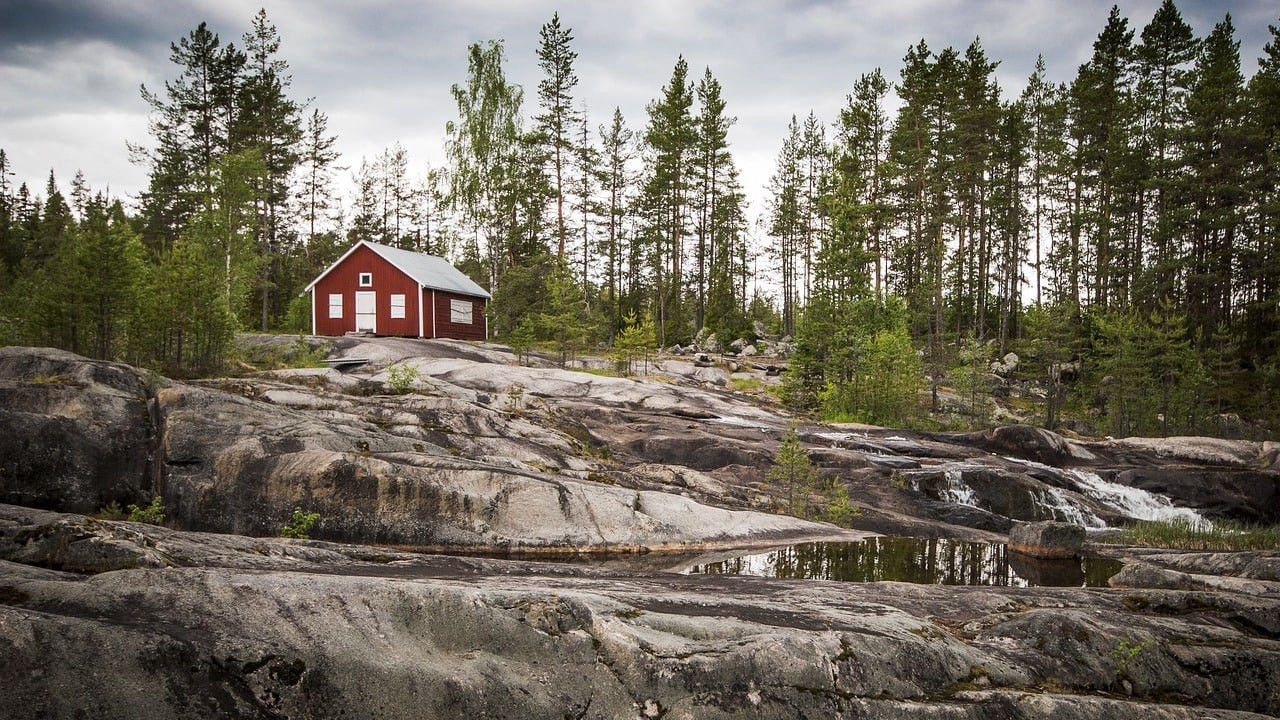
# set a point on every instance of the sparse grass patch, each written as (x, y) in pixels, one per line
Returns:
(42, 379)
(602, 372)
(749, 384)
(1189, 535)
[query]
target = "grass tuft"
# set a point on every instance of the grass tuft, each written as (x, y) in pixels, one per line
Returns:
(1188, 535)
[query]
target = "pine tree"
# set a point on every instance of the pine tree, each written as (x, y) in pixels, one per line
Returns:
(1214, 142)
(315, 194)
(787, 221)
(617, 150)
(1259, 265)
(558, 119)
(793, 473)
(191, 126)
(1168, 46)
(669, 138)
(851, 261)
(717, 223)
(1046, 118)
(270, 124)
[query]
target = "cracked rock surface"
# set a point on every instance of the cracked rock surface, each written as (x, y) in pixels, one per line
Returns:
(200, 625)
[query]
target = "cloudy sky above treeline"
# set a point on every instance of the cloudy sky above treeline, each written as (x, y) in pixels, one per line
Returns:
(70, 70)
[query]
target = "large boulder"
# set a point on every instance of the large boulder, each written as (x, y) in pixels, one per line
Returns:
(1047, 539)
(77, 433)
(1005, 366)
(1246, 495)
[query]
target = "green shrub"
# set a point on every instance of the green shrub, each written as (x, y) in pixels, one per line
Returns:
(793, 474)
(300, 525)
(840, 510)
(401, 379)
(152, 514)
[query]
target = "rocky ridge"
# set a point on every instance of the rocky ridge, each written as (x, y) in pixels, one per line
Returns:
(212, 617)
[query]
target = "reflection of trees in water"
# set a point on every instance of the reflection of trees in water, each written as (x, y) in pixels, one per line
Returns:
(917, 560)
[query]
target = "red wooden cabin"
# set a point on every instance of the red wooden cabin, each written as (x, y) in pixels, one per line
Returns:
(388, 291)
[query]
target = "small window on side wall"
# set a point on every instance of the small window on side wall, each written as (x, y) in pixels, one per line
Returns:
(366, 279)
(460, 312)
(397, 306)
(335, 305)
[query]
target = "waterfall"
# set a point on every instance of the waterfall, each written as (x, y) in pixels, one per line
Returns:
(1128, 501)
(956, 491)
(1133, 502)
(1063, 508)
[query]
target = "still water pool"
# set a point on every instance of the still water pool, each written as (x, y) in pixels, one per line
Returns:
(916, 560)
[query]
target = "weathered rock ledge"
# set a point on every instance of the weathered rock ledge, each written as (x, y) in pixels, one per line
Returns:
(206, 624)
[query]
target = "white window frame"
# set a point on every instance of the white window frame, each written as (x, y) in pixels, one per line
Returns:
(335, 302)
(366, 279)
(459, 309)
(397, 306)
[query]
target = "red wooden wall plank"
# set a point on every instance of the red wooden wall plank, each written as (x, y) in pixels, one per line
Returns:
(387, 281)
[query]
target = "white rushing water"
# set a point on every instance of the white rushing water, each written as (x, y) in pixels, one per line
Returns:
(1059, 502)
(1133, 502)
(956, 490)
(1128, 501)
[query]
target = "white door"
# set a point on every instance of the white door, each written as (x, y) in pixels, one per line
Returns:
(366, 312)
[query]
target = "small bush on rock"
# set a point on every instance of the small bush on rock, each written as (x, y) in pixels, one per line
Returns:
(300, 525)
(401, 379)
(793, 474)
(152, 514)
(840, 510)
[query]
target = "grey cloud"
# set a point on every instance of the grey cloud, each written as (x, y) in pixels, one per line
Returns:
(382, 70)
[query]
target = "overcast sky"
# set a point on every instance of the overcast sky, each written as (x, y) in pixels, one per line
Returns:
(70, 69)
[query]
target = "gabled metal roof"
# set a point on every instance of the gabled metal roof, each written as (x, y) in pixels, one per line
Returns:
(429, 271)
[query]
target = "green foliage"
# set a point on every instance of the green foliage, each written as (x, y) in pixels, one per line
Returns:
(1148, 376)
(969, 378)
(300, 525)
(1126, 652)
(855, 362)
(564, 319)
(794, 475)
(297, 318)
(636, 340)
(521, 339)
(840, 510)
(1051, 345)
(402, 378)
(152, 514)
